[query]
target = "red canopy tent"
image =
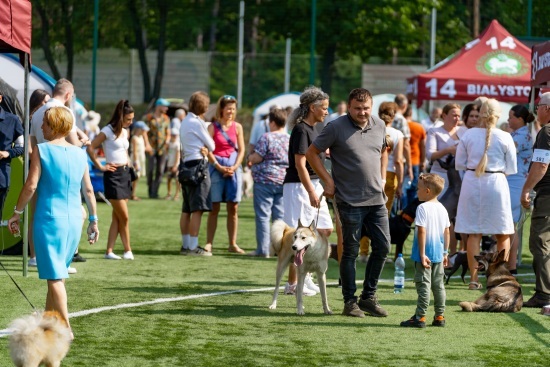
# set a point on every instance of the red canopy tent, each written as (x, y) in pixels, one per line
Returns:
(495, 65)
(15, 37)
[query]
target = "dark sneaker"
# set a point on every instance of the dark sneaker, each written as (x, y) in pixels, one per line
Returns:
(372, 307)
(415, 322)
(351, 309)
(78, 259)
(439, 321)
(536, 302)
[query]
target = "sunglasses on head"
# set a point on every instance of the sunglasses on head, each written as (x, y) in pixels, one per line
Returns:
(228, 96)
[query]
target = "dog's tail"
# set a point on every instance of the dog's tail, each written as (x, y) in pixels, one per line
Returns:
(469, 306)
(278, 230)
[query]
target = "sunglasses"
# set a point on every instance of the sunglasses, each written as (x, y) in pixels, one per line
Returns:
(539, 105)
(228, 96)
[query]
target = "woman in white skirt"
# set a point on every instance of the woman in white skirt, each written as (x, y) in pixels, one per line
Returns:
(302, 190)
(487, 155)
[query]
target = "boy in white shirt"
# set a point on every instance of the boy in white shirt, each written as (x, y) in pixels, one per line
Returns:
(430, 251)
(174, 155)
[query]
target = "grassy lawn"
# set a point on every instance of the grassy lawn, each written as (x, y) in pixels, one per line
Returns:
(236, 328)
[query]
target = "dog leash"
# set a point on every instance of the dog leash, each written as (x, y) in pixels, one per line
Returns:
(17, 285)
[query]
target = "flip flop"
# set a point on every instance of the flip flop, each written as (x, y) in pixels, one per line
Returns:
(207, 248)
(235, 249)
(474, 286)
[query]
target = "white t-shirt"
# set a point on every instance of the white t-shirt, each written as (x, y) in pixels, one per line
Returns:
(395, 135)
(116, 149)
(173, 149)
(38, 118)
(433, 217)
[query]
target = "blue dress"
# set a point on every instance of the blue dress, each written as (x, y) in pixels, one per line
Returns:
(58, 215)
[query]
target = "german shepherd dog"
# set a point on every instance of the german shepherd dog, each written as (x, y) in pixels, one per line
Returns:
(39, 338)
(503, 290)
(460, 258)
(309, 251)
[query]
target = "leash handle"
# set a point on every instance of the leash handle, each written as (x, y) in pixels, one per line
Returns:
(17, 285)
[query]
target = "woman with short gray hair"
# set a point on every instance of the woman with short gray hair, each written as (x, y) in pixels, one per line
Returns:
(302, 189)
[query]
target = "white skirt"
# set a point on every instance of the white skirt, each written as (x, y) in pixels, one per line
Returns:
(297, 206)
(484, 205)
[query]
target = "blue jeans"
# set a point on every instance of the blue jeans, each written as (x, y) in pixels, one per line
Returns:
(353, 218)
(268, 204)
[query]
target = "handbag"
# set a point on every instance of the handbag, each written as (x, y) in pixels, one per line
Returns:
(133, 174)
(192, 175)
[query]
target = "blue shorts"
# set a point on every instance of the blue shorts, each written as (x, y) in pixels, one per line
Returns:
(226, 189)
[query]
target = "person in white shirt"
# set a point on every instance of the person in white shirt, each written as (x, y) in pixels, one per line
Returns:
(487, 155)
(116, 175)
(195, 143)
(174, 155)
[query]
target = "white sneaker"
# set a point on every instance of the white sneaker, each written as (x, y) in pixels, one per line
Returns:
(199, 251)
(364, 259)
(112, 256)
(290, 289)
(71, 270)
(128, 255)
(308, 283)
(32, 262)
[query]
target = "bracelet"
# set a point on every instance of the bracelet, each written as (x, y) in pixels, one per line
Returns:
(19, 212)
(92, 218)
(383, 181)
(445, 252)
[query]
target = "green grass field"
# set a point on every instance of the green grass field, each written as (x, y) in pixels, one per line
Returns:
(192, 324)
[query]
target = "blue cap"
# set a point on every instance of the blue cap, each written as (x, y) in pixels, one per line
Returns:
(162, 102)
(140, 125)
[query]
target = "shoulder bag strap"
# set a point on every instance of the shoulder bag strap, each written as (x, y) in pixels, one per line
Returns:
(219, 127)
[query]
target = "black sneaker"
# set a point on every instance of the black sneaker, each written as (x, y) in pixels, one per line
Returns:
(536, 302)
(371, 306)
(439, 321)
(351, 309)
(78, 259)
(415, 322)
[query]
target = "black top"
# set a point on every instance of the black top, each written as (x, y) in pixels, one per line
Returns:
(301, 138)
(10, 130)
(543, 142)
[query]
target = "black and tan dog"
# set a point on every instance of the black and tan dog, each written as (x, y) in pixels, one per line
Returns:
(503, 290)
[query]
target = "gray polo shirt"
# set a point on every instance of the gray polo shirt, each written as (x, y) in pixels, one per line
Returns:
(355, 154)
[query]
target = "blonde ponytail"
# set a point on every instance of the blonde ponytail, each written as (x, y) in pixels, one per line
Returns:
(489, 114)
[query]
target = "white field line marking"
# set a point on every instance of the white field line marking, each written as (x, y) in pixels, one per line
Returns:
(7, 332)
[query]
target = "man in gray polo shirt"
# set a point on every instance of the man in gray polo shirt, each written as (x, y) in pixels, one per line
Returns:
(357, 143)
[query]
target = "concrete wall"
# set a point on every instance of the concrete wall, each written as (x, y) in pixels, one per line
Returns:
(118, 74)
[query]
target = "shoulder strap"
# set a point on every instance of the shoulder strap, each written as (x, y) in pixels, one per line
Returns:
(218, 126)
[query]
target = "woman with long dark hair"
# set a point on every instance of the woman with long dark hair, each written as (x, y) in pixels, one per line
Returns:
(116, 175)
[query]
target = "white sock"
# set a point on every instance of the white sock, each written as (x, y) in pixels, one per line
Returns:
(193, 243)
(185, 241)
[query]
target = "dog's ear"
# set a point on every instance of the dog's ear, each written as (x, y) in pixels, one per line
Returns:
(500, 257)
(299, 223)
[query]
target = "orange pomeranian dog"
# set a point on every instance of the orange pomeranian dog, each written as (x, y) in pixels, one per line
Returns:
(40, 338)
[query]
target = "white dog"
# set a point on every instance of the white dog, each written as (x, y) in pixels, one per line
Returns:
(310, 252)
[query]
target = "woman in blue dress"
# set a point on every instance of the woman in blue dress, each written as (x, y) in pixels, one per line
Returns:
(518, 119)
(58, 174)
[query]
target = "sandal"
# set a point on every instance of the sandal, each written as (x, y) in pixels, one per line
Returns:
(135, 198)
(474, 286)
(177, 197)
(235, 249)
(168, 197)
(207, 247)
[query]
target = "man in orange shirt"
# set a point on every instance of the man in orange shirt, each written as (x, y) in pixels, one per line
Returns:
(418, 156)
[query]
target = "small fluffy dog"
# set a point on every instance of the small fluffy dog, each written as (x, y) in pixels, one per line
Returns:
(310, 252)
(39, 338)
(503, 290)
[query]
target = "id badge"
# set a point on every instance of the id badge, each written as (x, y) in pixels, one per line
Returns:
(541, 156)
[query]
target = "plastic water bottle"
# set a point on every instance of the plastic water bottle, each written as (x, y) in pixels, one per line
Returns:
(399, 276)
